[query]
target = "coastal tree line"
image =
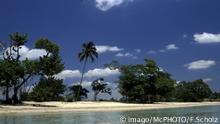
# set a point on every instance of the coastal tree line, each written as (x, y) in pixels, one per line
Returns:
(139, 83)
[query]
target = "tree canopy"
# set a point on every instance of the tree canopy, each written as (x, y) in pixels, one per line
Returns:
(99, 86)
(141, 83)
(192, 91)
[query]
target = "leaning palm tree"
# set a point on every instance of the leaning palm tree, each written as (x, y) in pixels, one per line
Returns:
(88, 52)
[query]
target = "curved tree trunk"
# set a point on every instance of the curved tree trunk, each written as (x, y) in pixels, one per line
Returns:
(81, 80)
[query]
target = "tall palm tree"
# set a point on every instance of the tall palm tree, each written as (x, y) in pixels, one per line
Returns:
(88, 52)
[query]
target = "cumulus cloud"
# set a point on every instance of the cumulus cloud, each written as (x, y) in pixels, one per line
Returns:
(171, 47)
(206, 38)
(97, 72)
(105, 5)
(200, 64)
(168, 47)
(127, 54)
(106, 48)
(68, 74)
(34, 54)
(31, 54)
(84, 83)
(94, 73)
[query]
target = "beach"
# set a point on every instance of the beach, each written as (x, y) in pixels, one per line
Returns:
(45, 107)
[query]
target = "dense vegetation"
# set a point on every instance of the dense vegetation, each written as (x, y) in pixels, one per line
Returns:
(140, 83)
(16, 72)
(148, 83)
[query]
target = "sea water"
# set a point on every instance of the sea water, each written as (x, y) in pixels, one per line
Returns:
(193, 115)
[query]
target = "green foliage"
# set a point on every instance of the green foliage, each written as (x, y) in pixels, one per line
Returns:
(215, 95)
(192, 91)
(165, 86)
(31, 67)
(13, 71)
(88, 51)
(51, 63)
(49, 46)
(6, 72)
(77, 95)
(48, 89)
(143, 82)
(18, 39)
(99, 86)
(131, 79)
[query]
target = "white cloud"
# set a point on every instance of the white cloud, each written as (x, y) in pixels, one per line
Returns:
(126, 55)
(167, 48)
(68, 74)
(84, 83)
(200, 64)
(32, 54)
(106, 48)
(97, 72)
(105, 5)
(171, 47)
(137, 50)
(206, 38)
(207, 80)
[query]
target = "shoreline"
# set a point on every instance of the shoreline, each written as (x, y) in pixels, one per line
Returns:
(56, 107)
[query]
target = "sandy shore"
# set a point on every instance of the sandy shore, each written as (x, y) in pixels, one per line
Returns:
(35, 107)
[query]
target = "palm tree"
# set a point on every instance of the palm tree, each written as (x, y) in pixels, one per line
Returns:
(88, 52)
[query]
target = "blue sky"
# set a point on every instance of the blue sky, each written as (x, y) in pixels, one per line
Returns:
(183, 36)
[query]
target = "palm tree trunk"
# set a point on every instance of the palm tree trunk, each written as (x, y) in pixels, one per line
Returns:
(81, 80)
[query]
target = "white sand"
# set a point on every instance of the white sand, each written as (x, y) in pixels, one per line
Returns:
(94, 106)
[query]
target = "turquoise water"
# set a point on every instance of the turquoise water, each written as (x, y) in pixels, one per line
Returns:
(209, 113)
